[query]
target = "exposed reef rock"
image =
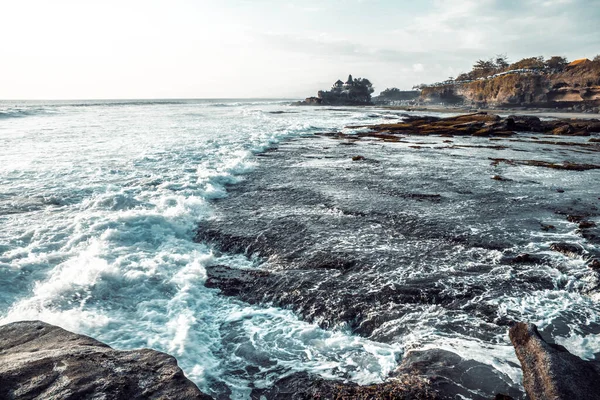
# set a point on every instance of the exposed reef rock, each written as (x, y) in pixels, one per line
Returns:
(481, 124)
(422, 375)
(550, 372)
(310, 101)
(42, 361)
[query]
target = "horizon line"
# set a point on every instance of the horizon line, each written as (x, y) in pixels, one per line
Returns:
(151, 98)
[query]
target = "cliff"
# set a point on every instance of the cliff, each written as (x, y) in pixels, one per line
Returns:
(42, 361)
(577, 88)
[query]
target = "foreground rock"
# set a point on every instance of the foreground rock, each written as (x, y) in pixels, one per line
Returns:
(422, 375)
(42, 361)
(550, 371)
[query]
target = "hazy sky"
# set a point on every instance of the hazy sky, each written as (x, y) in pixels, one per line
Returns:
(73, 49)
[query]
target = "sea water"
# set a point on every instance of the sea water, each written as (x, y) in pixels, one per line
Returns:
(99, 201)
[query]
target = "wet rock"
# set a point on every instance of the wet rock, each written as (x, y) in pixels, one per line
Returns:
(478, 124)
(574, 218)
(428, 374)
(42, 361)
(311, 101)
(566, 165)
(304, 386)
(563, 130)
(594, 264)
(358, 158)
(360, 249)
(568, 249)
(482, 124)
(548, 227)
(586, 224)
(525, 123)
(450, 374)
(500, 178)
(550, 371)
(523, 258)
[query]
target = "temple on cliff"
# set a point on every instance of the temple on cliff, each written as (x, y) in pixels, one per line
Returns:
(339, 85)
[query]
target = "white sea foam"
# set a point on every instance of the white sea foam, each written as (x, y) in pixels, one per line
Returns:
(99, 202)
(112, 254)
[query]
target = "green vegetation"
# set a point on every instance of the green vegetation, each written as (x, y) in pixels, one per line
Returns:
(500, 64)
(395, 94)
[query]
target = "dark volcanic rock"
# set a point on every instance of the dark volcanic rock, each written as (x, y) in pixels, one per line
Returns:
(303, 386)
(429, 374)
(451, 375)
(568, 249)
(311, 101)
(42, 361)
(375, 248)
(550, 371)
(482, 124)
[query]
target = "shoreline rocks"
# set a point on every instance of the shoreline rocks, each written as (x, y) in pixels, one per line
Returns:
(550, 371)
(43, 361)
(483, 124)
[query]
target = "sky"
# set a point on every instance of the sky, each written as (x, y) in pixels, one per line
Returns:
(111, 49)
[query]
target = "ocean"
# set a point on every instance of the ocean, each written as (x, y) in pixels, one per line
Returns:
(100, 204)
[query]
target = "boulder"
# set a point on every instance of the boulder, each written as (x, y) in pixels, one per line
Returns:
(568, 249)
(312, 101)
(550, 372)
(42, 361)
(525, 123)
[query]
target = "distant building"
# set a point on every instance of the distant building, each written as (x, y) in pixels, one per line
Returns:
(578, 62)
(349, 83)
(338, 85)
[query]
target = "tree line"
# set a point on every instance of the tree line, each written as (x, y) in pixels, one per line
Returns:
(498, 64)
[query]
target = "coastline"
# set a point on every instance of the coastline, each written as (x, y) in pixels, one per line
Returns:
(539, 112)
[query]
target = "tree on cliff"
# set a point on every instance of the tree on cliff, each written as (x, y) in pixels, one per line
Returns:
(556, 63)
(483, 68)
(501, 62)
(361, 90)
(597, 58)
(395, 94)
(530, 63)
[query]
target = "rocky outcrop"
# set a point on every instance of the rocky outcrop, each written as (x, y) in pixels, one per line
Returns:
(550, 372)
(42, 361)
(310, 101)
(423, 375)
(482, 124)
(577, 88)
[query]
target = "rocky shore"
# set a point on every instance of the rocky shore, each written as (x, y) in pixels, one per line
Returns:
(422, 232)
(368, 229)
(484, 124)
(42, 361)
(550, 371)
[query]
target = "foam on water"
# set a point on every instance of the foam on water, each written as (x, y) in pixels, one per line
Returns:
(103, 246)
(99, 202)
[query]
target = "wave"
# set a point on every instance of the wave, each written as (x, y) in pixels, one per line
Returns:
(22, 112)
